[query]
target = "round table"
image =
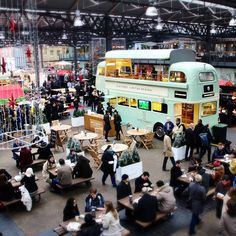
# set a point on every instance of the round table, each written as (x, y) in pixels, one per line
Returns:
(118, 147)
(134, 132)
(61, 127)
(83, 137)
(138, 134)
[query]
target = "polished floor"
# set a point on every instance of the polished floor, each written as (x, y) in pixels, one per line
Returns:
(47, 214)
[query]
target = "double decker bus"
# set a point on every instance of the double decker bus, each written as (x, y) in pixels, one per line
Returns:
(147, 86)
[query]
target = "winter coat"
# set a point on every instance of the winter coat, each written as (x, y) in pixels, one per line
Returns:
(6, 189)
(197, 197)
(123, 190)
(82, 168)
(167, 147)
(69, 213)
(106, 158)
(190, 137)
(111, 226)
(44, 152)
(117, 122)
(228, 224)
(91, 229)
(146, 208)
(64, 174)
(166, 199)
(25, 158)
(97, 202)
(107, 125)
(29, 183)
(140, 183)
(175, 172)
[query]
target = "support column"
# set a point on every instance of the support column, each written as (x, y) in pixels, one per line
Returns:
(75, 61)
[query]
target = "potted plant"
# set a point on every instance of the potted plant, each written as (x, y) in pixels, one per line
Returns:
(78, 118)
(130, 164)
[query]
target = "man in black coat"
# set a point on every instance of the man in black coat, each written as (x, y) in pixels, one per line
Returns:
(190, 141)
(82, 168)
(44, 150)
(123, 188)
(197, 130)
(146, 208)
(107, 125)
(142, 181)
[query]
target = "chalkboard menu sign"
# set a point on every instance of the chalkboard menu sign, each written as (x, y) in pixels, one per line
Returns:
(53, 138)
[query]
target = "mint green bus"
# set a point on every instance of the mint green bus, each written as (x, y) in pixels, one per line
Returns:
(147, 86)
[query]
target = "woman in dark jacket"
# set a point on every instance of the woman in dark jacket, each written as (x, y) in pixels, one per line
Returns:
(82, 168)
(71, 209)
(6, 189)
(117, 122)
(29, 181)
(107, 166)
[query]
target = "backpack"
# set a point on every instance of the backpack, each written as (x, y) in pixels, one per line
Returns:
(204, 139)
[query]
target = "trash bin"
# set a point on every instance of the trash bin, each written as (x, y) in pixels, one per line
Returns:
(219, 133)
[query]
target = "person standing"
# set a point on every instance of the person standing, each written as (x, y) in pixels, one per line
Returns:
(107, 125)
(228, 219)
(197, 197)
(107, 166)
(206, 139)
(178, 128)
(190, 141)
(197, 130)
(168, 126)
(117, 122)
(168, 153)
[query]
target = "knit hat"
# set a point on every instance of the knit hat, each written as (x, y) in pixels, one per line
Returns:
(198, 178)
(124, 177)
(29, 172)
(232, 167)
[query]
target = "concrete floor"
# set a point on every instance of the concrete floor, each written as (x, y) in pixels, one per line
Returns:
(47, 214)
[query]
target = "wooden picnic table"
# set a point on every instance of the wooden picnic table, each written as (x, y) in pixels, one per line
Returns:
(138, 135)
(62, 131)
(85, 136)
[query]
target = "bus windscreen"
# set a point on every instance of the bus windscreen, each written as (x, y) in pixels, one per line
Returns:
(144, 105)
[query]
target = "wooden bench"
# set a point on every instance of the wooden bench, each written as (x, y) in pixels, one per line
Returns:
(37, 162)
(36, 194)
(60, 231)
(75, 182)
(159, 216)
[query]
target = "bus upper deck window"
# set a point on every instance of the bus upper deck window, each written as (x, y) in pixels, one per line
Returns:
(177, 76)
(206, 76)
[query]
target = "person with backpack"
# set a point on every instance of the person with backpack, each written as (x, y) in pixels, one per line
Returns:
(206, 139)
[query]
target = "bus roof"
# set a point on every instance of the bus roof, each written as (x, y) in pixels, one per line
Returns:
(160, 54)
(101, 64)
(191, 66)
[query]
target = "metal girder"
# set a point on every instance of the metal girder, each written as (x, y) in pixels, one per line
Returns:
(51, 27)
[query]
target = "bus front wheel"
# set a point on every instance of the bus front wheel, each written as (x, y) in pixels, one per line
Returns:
(159, 131)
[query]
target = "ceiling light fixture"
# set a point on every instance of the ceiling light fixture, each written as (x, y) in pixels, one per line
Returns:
(77, 21)
(213, 28)
(64, 36)
(151, 11)
(232, 21)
